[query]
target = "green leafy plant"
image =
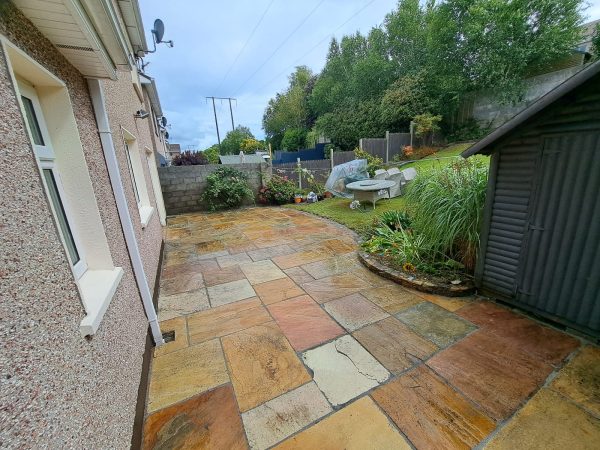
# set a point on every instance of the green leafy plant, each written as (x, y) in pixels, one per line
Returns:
(189, 158)
(395, 220)
(446, 205)
(280, 190)
(226, 187)
(373, 162)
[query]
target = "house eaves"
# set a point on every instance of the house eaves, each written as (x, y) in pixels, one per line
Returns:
(149, 86)
(132, 17)
(69, 27)
(485, 145)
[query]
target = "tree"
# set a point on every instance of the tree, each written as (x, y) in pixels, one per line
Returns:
(293, 139)
(232, 143)
(596, 42)
(251, 145)
(212, 154)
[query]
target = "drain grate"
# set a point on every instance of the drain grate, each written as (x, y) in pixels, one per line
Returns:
(169, 336)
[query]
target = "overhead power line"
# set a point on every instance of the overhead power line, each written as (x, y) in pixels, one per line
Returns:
(328, 36)
(280, 46)
(245, 44)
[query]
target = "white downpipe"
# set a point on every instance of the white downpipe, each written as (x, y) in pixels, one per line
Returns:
(117, 186)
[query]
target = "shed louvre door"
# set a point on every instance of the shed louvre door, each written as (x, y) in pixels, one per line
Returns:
(509, 217)
(560, 272)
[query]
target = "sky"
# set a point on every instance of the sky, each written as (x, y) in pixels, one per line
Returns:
(245, 50)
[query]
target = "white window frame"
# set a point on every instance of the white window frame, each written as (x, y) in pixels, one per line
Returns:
(47, 160)
(137, 176)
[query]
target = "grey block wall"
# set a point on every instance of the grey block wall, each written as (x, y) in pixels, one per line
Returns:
(182, 186)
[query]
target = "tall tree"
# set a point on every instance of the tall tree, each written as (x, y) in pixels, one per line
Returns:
(232, 143)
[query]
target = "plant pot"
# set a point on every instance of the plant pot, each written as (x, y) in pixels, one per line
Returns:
(328, 194)
(297, 199)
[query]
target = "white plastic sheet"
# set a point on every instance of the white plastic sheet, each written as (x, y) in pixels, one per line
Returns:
(344, 174)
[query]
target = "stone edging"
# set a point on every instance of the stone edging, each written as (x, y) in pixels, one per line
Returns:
(424, 286)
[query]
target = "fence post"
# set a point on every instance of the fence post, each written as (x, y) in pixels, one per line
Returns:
(360, 143)
(387, 147)
(299, 173)
(331, 157)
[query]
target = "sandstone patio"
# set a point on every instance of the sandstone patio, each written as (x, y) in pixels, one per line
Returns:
(283, 339)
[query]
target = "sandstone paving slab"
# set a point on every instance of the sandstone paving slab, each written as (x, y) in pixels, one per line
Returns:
(540, 341)
(579, 380)
(208, 421)
(336, 286)
(330, 266)
(354, 311)
(395, 345)
(182, 374)
(343, 369)
(179, 326)
(391, 298)
(181, 283)
(261, 271)
(210, 248)
(233, 260)
(263, 365)
(299, 275)
(492, 372)
(304, 323)
(449, 303)
(338, 246)
(234, 291)
(277, 419)
(370, 277)
(300, 258)
(277, 290)
(430, 413)
(188, 268)
(360, 425)
(436, 323)
(177, 305)
(548, 422)
(270, 252)
(216, 276)
(227, 319)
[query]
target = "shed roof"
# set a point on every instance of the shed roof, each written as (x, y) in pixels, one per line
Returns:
(235, 159)
(542, 103)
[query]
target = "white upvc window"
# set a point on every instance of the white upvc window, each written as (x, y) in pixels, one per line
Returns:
(136, 175)
(50, 122)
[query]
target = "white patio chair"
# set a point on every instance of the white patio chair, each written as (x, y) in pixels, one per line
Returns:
(380, 174)
(397, 177)
(409, 174)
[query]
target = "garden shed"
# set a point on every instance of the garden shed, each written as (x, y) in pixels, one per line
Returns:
(540, 237)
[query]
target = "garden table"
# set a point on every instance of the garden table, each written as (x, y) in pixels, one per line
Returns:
(370, 190)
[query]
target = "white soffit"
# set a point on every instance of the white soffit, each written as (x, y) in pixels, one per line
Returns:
(66, 24)
(130, 11)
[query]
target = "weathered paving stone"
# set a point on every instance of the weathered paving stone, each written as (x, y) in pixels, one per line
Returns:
(299, 275)
(208, 421)
(233, 260)
(184, 373)
(277, 419)
(233, 291)
(358, 426)
(548, 421)
(181, 283)
(277, 290)
(492, 372)
(261, 271)
(333, 287)
(579, 380)
(430, 413)
(330, 266)
(304, 323)
(216, 276)
(436, 323)
(343, 369)
(392, 298)
(263, 365)
(270, 252)
(181, 304)
(394, 345)
(354, 311)
(542, 342)
(300, 258)
(449, 303)
(179, 326)
(338, 247)
(227, 319)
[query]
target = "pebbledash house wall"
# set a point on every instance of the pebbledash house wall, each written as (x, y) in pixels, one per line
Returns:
(58, 390)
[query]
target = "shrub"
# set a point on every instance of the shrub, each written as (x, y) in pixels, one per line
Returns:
(395, 220)
(293, 139)
(446, 207)
(373, 162)
(280, 190)
(226, 187)
(189, 158)
(470, 130)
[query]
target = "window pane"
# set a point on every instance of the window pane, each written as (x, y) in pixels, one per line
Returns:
(34, 126)
(131, 174)
(62, 218)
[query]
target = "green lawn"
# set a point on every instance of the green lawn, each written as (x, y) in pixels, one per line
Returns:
(430, 161)
(338, 210)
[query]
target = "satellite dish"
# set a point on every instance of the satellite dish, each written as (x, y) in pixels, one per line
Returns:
(166, 135)
(163, 121)
(159, 30)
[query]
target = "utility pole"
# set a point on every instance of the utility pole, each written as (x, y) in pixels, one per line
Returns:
(215, 113)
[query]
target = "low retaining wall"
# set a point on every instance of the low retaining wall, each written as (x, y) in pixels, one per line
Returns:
(182, 186)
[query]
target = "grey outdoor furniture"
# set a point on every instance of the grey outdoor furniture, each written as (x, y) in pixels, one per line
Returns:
(371, 190)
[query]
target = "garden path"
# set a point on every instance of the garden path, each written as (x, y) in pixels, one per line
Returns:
(283, 339)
